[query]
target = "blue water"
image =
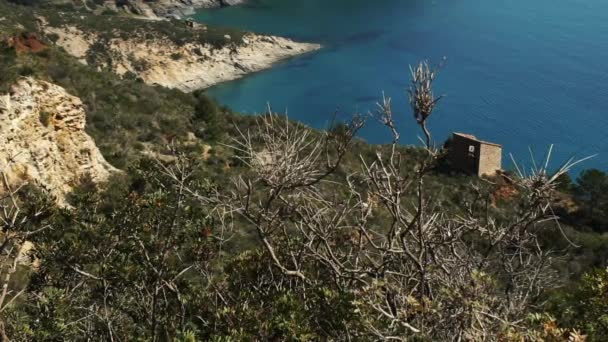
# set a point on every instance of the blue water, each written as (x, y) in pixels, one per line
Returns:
(519, 72)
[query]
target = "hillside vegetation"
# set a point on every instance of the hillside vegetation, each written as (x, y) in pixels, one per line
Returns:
(124, 116)
(225, 227)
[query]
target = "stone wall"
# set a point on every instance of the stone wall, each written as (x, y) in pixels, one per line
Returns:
(490, 159)
(461, 156)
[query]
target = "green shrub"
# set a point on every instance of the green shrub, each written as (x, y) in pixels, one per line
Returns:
(208, 114)
(584, 306)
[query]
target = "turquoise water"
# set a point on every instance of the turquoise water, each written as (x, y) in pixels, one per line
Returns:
(519, 72)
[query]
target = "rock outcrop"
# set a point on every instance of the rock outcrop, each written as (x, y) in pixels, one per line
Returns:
(167, 8)
(186, 67)
(42, 139)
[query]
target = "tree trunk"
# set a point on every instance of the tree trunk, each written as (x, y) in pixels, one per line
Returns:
(3, 337)
(427, 134)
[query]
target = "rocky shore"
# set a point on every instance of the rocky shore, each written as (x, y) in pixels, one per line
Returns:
(187, 67)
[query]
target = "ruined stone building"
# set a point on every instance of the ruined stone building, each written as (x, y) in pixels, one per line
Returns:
(471, 155)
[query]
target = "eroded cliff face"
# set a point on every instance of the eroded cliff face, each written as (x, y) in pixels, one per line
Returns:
(186, 67)
(195, 66)
(42, 139)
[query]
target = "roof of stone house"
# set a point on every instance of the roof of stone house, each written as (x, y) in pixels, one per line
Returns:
(472, 137)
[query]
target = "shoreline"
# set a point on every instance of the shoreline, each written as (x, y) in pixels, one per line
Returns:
(227, 64)
(189, 67)
(268, 68)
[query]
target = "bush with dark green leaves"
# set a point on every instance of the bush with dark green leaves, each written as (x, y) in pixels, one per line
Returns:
(127, 261)
(592, 190)
(142, 258)
(584, 305)
(209, 118)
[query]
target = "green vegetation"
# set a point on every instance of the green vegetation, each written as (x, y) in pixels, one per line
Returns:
(584, 305)
(123, 115)
(592, 192)
(279, 237)
(108, 27)
(108, 24)
(210, 117)
(145, 257)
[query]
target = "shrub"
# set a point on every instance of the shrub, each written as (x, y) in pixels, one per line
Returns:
(584, 305)
(207, 113)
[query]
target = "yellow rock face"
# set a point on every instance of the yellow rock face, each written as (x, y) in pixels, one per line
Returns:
(42, 139)
(185, 67)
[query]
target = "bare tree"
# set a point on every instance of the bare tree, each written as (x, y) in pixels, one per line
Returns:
(421, 97)
(413, 268)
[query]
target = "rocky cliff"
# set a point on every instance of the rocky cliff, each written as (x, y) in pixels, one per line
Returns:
(187, 66)
(42, 139)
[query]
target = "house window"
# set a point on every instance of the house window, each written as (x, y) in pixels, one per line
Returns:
(471, 151)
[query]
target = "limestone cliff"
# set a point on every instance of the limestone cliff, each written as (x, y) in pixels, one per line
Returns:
(186, 67)
(42, 139)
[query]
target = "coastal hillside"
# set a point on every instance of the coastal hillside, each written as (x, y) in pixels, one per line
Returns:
(187, 66)
(160, 9)
(152, 10)
(135, 207)
(125, 115)
(170, 53)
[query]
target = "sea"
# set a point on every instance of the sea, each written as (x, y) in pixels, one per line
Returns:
(526, 74)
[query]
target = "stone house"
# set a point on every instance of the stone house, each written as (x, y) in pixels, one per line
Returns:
(474, 156)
